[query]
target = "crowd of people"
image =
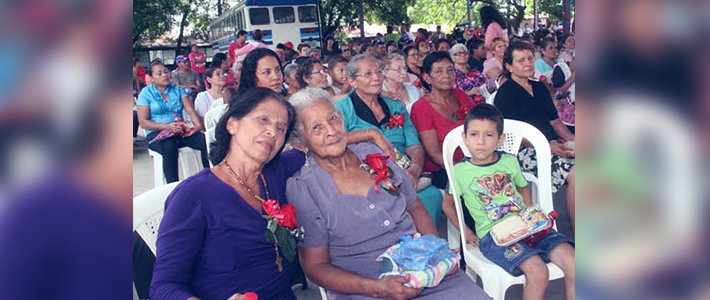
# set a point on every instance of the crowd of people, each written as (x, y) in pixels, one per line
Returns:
(298, 120)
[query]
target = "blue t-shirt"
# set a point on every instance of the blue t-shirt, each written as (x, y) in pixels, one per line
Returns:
(161, 111)
(542, 66)
(357, 116)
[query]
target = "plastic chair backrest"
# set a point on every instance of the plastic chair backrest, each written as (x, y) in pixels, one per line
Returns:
(212, 116)
(517, 131)
(148, 212)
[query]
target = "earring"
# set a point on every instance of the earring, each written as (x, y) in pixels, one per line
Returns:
(308, 165)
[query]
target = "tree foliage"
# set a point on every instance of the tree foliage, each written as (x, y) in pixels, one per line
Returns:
(153, 18)
(337, 13)
(553, 8)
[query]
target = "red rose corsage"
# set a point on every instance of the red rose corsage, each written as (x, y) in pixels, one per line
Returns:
(376, 165)
(396, 120)
(460, 113)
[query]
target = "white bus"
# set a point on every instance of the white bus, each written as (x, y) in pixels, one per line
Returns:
(280, 21)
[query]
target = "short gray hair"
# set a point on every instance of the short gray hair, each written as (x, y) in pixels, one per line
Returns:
(393, 57)
(304, 99)
(453, 49)
(354, 64)
(289, 69)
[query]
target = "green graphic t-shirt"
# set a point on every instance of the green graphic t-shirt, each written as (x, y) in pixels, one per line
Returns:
(490, 191)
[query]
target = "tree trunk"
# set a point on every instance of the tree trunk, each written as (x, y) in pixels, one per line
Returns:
(185, 14)
(219, 8)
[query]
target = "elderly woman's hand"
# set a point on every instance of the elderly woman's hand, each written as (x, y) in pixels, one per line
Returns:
(197, 128)
(392, 287)
(379, 139)
(173, 127)
(414, 172)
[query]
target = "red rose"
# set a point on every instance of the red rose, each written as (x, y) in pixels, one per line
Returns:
(288, 217)
(271, 207)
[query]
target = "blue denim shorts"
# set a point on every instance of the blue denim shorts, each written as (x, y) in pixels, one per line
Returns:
(509, 258)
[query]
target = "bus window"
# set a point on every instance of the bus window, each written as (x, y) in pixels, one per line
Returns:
(307, 14)
(283, 15)
(240, 20)
(259, 16)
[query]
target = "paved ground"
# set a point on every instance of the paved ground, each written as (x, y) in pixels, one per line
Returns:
(143, 181)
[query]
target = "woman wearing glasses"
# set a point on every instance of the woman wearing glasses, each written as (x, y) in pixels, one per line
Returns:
(312, 74)
(395, 73)
(467, 79)
(365, 110)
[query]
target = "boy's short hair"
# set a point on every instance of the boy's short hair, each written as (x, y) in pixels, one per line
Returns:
(303, 45)
(336, 59)
(484, 112)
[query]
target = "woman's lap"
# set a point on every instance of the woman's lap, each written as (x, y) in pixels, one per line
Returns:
(561, 167)
(431, 198)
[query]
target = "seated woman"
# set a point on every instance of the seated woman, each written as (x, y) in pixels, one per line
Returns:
(493, 67)
(157, 106)
(467, 79)
(395, 71)
(215, 82)
(437, 113)
(365, 109)
(333, 196)
(211, 242)
(529, 101)
(312, 74)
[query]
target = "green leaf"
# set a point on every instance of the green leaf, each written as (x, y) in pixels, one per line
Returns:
(272, 225)
(287, 243)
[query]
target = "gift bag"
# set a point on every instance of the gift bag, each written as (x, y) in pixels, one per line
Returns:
(426, 259)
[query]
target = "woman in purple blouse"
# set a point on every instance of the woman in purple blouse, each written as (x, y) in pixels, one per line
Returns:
(211, 242)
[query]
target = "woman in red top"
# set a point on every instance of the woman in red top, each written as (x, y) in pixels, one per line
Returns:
(437, 113)
(197, 62)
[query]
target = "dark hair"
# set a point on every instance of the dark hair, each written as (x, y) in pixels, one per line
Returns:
(546, 43)
(439, 42)
(422, 41)
(540, 35)
(305, 69)
(407, 50)
(563, 39)
(153, 64)
(302, 45)
(435, 57)
(508, 57)
(484, 112)
(390, 43)
(208, 74)
(193, 45)
(379, 43)
(368, 46)
(247, 79)
(241, 32)
(390, 28)
(280, 46)
(336, 59)
(136, 60)
(256, 35)
(300, 60)
(473, 44)
(490, 15)
(240, 106)
(218, 58)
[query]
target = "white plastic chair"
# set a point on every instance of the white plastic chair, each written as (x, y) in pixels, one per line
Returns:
(212, 116)
(496, 280)
(187, 155)
(148, 212)
(209, 138)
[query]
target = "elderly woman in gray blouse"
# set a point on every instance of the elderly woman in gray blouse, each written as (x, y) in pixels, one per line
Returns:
(347, 222)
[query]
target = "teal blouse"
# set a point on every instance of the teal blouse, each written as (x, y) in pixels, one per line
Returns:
(357, 116)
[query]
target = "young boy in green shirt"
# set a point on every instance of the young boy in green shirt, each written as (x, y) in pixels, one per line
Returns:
(494, 189)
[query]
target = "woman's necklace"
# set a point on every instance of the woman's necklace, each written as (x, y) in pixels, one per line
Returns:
(279, 263)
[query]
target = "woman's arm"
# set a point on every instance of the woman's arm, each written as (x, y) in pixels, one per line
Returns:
(316, 264)
(146, 123)
(193, 116)
(421, 218)
(416, 154)
(371, 135)
(562, 130)
(431, 145)
(565, 87)
(450, 211)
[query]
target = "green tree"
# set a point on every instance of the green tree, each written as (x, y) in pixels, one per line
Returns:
(153, 18)
(553, 8)
(336, 13)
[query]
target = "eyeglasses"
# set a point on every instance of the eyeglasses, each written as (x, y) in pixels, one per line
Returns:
(370, 75)
(459, 53)
(346, 50)
(321, 71)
